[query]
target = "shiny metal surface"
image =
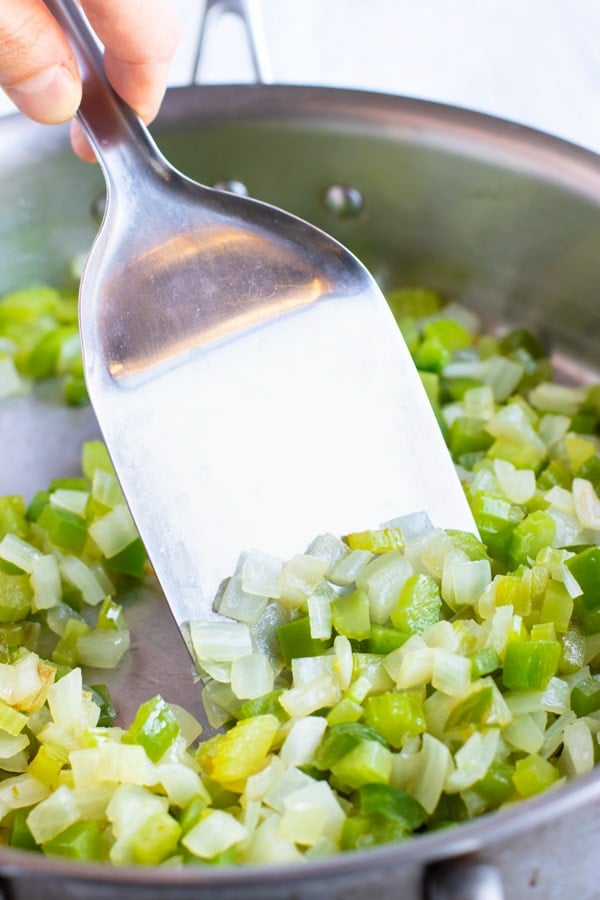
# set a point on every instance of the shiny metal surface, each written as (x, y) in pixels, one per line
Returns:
(500, 217)
(250, 382)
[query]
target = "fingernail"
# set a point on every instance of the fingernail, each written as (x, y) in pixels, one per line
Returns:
(50, 96)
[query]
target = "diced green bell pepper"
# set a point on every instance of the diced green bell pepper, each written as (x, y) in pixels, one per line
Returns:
(154, 727)
(296, 641)
(383, 639)
(82, 840)
(585, 696)
(585, 567)
(530, 536)
(339, 740)
(529, 665)
(391, 803)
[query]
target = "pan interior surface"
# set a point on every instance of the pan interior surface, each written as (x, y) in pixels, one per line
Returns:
(502, 219)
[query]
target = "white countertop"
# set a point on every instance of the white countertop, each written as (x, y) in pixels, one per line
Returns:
(532, 61)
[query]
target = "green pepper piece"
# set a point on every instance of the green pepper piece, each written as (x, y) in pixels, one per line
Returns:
(110, 615)
(20, 835)
(27, 304)
(473, 711)
(419, 605)
(529, 665)
(131, 560)
(65, 651)
(66, 530)
(154, 727)
(12, 516)
(522, 338)
(38, 503)
(268, 704)
(496, 519)
(468, 543)
(340, 739)
(585, 566)
(585, 696)
(468, 435)
(295, 640)
(391, 803)
(81, 840)
(396, 715)
(555, 473)
(75, 391)
(483, 662)
(42, 360)
(383, 639)
(94, 455)
(192, 813)
(530, 536)
(497, 786)
(590, 470)
(432, 355)
(102, 698)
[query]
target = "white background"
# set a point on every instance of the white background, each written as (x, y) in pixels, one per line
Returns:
(532, 61)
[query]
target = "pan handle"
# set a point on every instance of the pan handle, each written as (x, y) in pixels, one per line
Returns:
(250, 14)
(464, 878)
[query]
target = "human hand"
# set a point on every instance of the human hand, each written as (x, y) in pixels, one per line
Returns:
(39, 73)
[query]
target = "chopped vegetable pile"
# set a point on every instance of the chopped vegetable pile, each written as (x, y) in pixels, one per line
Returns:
(373, 687)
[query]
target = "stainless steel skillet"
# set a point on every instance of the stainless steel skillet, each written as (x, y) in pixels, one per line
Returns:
(504, 218)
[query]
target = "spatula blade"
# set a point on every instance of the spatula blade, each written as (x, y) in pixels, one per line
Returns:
(314, 421)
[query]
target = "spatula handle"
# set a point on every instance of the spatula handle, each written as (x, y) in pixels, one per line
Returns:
(120, 140)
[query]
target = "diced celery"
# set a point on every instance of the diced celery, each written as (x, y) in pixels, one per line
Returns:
(395, 715)
(418, 606)
(350, 615)
(156, 839)
(369, 762)
(214, 833)
(15, 597)
(533, 774)
(413, 302)
(378, 541)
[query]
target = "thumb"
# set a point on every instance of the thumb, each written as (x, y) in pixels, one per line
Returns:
(37, 67)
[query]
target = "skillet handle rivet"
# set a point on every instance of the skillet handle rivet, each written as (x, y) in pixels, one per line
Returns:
(344, 200)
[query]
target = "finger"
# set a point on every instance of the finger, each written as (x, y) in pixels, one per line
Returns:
(37, 67)
(80, 143)
(140, 37)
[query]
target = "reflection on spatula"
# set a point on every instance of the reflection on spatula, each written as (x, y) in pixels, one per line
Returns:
(250, 382)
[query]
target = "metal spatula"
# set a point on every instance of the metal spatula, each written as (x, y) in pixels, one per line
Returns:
(250, 382)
